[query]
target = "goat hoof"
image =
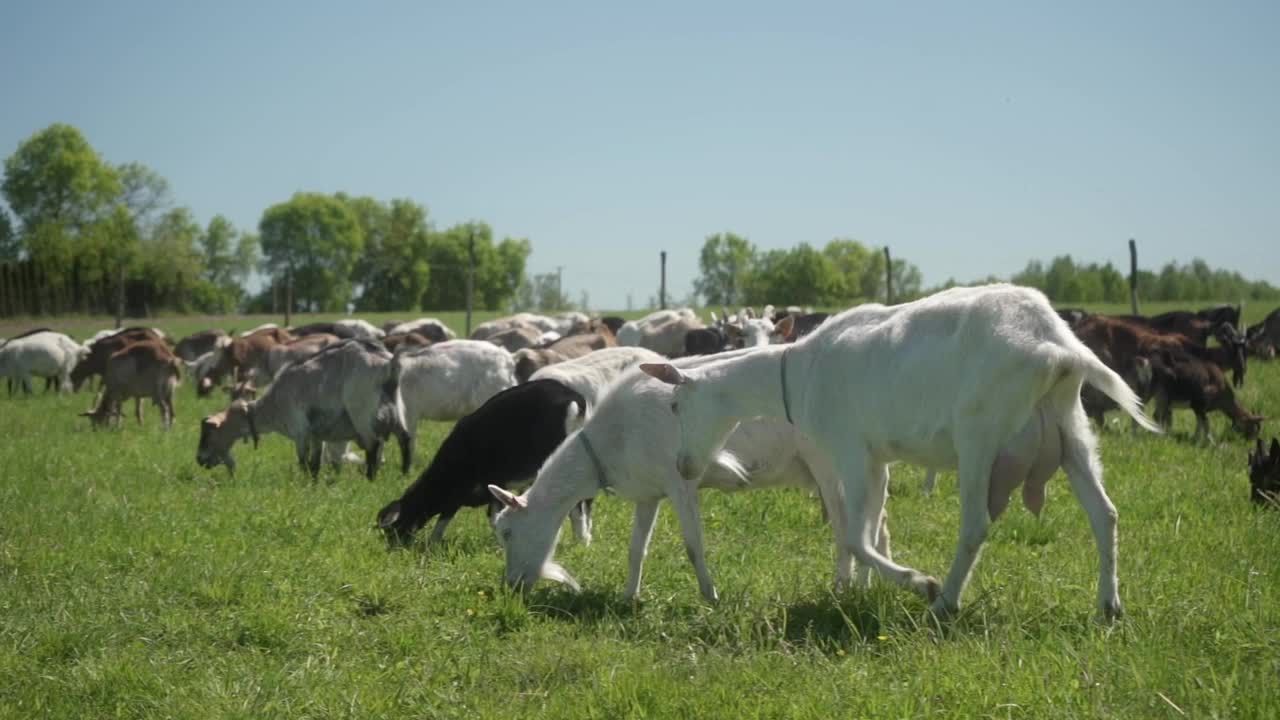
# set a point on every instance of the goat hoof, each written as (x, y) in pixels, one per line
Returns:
(1111, 610)
(941, 610)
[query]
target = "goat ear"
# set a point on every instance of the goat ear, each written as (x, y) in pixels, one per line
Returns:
(785, 327)
(507, 498)
(665, 372)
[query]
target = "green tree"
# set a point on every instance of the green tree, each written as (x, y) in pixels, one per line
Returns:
(498, 272)
(227, 256)
(852, 260)
(172, 263)
(801, 275)
(908, 283)
(312, 242)
(394, 270)
(58, 187)
(726, 261)
(55, 177)
(10, 242)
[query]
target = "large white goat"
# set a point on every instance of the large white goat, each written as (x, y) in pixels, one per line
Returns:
(984, 379)
(629, 444)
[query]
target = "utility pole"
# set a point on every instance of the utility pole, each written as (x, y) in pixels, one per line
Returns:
(560, 304)
(888, 277)
(471, 275)
(120, 296)
(662, 285)
(288, 294)
(1133, 275)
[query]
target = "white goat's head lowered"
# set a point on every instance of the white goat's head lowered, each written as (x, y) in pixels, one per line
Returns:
(529, 555)
(707, 417)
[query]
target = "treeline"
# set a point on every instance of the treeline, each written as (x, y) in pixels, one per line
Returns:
(844, 272)
(86, 234)
(1065, 282)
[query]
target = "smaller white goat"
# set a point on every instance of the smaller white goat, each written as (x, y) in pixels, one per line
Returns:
(42, 354)
(629, 444)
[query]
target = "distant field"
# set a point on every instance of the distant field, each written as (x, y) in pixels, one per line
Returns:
(135, 584)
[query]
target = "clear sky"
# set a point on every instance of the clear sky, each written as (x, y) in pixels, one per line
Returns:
(970, 136)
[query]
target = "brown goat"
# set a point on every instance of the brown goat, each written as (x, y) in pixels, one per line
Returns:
(242, 356)
(1180, 378)
(95, 363)
(145, 369)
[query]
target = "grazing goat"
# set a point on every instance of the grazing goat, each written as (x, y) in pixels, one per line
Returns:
(530, 360)
(1264, 338)
(349, 391)
(192, 347)
(504, 442)
(429, 328)
(1195, 325)
(516, 338)
(141, 369)
(1264, 475)
(410, 340)
(1182, 379)
(629, 444)
(450, 380)
(283, 353)
(541, 323)
(986, 379)
(95, 361)
(241, 356)
(41, 353)
(589, 375)
(666, 338)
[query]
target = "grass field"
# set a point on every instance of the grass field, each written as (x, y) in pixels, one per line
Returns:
(135, 584)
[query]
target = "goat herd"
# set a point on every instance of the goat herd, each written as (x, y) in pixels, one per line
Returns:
(989, 380)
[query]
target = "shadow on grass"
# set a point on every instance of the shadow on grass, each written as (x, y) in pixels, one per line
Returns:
(585, 607)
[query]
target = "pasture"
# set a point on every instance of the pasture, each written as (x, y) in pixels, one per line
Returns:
(135, 584)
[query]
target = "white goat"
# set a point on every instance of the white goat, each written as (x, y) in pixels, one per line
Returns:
(984, 379)
(43, 354)
(634, 439)
(430, 328)
(361, 328)
(541, 323)
(451, 379)
(590, 374)
(349, 391)
(662, 332)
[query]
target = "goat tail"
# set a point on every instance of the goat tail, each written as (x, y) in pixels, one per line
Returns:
(1113, 386)
(176, 363)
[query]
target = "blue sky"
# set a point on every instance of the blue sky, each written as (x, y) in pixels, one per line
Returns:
(969, 137)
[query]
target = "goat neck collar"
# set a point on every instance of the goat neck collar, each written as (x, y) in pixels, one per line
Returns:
(786, 400)
(601, 476)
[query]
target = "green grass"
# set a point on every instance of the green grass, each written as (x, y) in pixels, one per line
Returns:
(135, 584)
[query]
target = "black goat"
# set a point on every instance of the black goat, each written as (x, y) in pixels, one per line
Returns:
(503, 443)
